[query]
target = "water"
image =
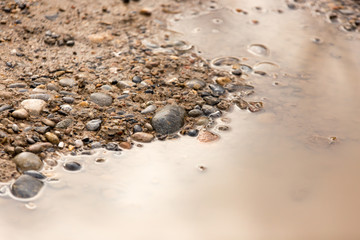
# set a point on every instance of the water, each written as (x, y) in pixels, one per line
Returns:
(290, 171)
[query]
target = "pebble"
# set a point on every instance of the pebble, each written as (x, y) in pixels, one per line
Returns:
(35, 174)
(195, 113)
(17, 85)
(223, 80)
(51, 137)
(26, 187)
(137, 128)
(39, 147)
(142, 137)
(64, 123)
(20, 114)
(52, 87)
(169, 119)
(195, 84)
(5, 107)
(66, 107)
(72, 166)
(67, 82)
(193, 132)
(207, 109)
(41, 96)
(78, 143)
(137, 79)
(27, 161)
(42, 130)
(210, 100)
(33, 106)
(125, 145)
(48, 122)
(101, 99)
(217, 90)
(237, 72)
(68, 100)
(93, 125)
(207, 136)
(149, 109)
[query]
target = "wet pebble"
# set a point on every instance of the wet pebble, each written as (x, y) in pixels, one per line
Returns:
(101, 99)
(125, 145)
(195, 84)
(27, 161)
(72, 166)
(217, 90)
(207, 109)
(137, 128)
(193, 132)
(26, 187)
(39, 147)
(142, 137)
(207, 136)
(35, 174)
(93, 125)
(169, 119)
(53, 138)
(210, 100)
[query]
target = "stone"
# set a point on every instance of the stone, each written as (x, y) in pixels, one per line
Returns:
(142, 137)
(223, 80)
(72, 166)
(5, 107)
(35, 174)
(207, 136)
(48, 122)
(101, 99)
(217, 90)
(33, 106)
(51, 137)
(125, 145)
(169, 119)
(67, 82)
(193, 132)
(93, 125)
(207, 109)
(17, 85)
(64, 123)
(100, 37)
(39, 147)
(20, 114)
(42, 96)
(149, 109)
(195, 113)
(137, 128)
(68, 100)
(27, 161)
(26, 187)
(137, 79)
(195, 84)
(210, 100)
(78, 143)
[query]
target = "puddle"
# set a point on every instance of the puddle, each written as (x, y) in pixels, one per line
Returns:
(290, 171)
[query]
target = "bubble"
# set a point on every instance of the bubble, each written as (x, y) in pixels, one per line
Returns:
(258, 50)
(225, 61)
(266, 66)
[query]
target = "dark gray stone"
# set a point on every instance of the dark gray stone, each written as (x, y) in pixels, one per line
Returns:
(169, 119)
(26, 187)
(64, 123)
(207, 109)
(42, 96)
(217, 90)
(195, 113)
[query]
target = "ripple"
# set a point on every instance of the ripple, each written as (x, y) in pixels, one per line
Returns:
(225, 61)
(266, 66)
(258, 50)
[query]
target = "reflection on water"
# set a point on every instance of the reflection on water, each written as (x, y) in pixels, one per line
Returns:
(290, 171)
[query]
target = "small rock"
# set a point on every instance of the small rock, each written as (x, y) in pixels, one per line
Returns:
(35, 174)
(67, 82)
(72, 166)
(78, 143)
(223, 80)
(64, 123)
(68, 100)
(137, 128)
(125, 145)
(41, 96)
(169, 119)
(51, 137)
(149, 109)
(26, 187)
(217, 90)
(39, 147)
(137, 79)
(207, 109)
(48, 122)
(195, 84)
(195, 113)
(207, 136)
(33, 106)
(193, 132)
(100, 37)
(20, 114)
(101, 99)
(93, 125)
(142, 137)
(28, 161)
(210, 100)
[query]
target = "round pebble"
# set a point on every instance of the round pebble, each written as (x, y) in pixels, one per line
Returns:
(72, 166)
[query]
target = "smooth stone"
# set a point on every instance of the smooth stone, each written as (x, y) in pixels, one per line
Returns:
(52, 87)
(142, 137)
(28, 161)
(68, 100)
(169, 119)
(195, 84)
(125, 145)
(33, 106)
(106, 87)
(39, 147)
(149, 109)
(237, 72)
(223, 80)
(20, 114)
(193, 132)
(217, 90)
(67, 82)
(72, 166)
(35, 174)
(41, 96)
(137, 128)
(101, 99)
(64, 123)
(5, 107)
(78, 143)
(207, 109)
(48, 122)
(51, 137)
(42, 130)
(66, 107)
(137, 79)
(93, 125)
(195, 113)
(207, 136)
(26, 187)
(15, 128)
(210, 100)
(17, 85)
